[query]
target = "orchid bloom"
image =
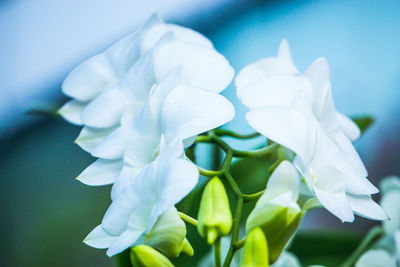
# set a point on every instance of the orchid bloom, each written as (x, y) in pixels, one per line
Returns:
(338, 186)
(172, 111)
(275, 81)
(110, 88)
(157, 188)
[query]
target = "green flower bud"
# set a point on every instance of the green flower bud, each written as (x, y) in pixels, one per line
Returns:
(278, 224)
(168, 235)
(215, 218)
(255, 251)
(145, 256)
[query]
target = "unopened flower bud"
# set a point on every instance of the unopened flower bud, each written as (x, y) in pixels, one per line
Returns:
(145, 256)
(168, 235)
(215, 218)
(255, 251)
(276, 212)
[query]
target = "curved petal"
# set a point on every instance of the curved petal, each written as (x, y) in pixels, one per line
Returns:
(72, 111)
(318, 73)
(277, 90)
(188, 111)
(349, 127)
(364, 206)
(123, 242)
(98, 238)
(269, 66)
(106, 109)
(284, 179)
(155, 33)
(279, 124)
(202, 67)
(101, 172)
(90, 137)
(329, 187)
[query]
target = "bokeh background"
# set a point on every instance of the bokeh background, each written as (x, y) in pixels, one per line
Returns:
(45, 213)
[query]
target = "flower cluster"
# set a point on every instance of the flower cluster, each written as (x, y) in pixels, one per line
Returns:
(141, 102)
(151, 97)
(297, 111)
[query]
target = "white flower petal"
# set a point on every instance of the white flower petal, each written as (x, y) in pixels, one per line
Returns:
(277, 90)
(98, 238)
(107, 108)
(115, 144)
(116, 219)
(364, 206)
(318, 73)
(89, 137)
(102, 71)
(267, 67)
(329, 187)
(376, 258)
(72, 111)
(153, 35)
(284, 179)
(188, 111)
(124, 241)
(279, 124)
(349, 127)
(202, 67)
(101, 172)
(336, 203)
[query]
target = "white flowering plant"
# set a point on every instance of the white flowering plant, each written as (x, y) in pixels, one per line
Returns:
(147, 103)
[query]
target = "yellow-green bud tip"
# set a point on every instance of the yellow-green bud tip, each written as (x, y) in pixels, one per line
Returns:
(255, 251)
(146, 256)
(212, 235)
(187, 248)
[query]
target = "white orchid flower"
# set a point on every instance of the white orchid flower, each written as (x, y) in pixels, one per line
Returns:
(338, 186)
(111, 88)
(157, 188)
(172, 111)
(275, 81)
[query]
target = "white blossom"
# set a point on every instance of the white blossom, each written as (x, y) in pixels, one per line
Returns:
(337, 184)
(157, 188)
(171, 111)
(110, 88)
(275, 81)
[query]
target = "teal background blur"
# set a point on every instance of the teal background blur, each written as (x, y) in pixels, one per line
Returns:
(45, 213)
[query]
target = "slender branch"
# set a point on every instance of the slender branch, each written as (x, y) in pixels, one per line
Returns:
(236, 153)
(227, 174)
(187, 218)
(222, 132)
(235, 232)
(373, 235)
(239, 244)
(251, 197)
(210, 173)
(217, 252)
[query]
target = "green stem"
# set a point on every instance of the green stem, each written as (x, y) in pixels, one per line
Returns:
(239, 244)
(217, 252)
(227, 174)
(212, 139)
(222, 132)
(188, 219)
(235, 231)
(251, 197)
(373, 235)
(210, 173)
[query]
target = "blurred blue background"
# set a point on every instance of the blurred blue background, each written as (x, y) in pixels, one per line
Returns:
(46, 213)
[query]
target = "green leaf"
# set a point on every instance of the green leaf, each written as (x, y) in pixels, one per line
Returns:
(363, 122)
